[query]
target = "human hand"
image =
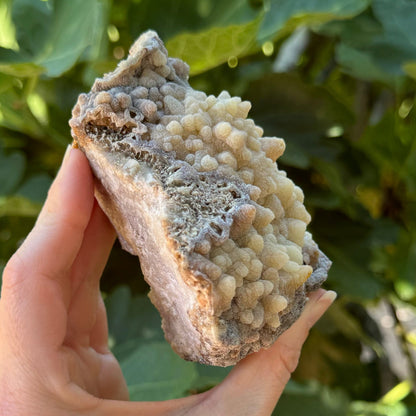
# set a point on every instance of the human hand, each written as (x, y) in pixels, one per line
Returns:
(54, 356)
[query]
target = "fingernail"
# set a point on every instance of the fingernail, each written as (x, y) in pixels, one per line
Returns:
(329, 295)
(67, 155)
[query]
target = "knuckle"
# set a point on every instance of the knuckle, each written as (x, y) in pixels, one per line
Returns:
(13, 273)
(289, 357)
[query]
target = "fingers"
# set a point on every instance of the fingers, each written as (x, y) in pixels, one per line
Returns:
(265, 374)
(84, 311)
(52, 245)
(36, 288)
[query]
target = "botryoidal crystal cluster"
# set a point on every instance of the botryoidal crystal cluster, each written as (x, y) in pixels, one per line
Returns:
(193, 188)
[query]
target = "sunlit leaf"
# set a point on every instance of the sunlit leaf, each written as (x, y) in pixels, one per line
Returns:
(7, 29)
(397, 393)
(215, 46)
(360, 408)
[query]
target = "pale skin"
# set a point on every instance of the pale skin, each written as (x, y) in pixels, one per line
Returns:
(54, 355)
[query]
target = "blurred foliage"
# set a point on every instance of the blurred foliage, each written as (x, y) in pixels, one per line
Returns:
(336, 79)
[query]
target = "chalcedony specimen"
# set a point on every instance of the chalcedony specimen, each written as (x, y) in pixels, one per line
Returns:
(192, 187)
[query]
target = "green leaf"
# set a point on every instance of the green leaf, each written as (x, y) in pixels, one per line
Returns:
(154, 372)
(12, 168)
(7, 29)
(359, 408)
(285, 15)
(32, 19)
(361, 64)
(215, 46)
(15, 114)
(311, 399)
(190, 15)
(379, 47)
(13, 63)
(35, 188)
(132, 317)
(74, 28)
(300, 113)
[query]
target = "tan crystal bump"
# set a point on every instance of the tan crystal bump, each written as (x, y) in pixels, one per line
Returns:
(192, 187)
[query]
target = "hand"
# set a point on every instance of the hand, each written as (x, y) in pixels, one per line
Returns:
(54, 356)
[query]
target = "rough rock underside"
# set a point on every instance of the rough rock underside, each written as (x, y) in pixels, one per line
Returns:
(192, 187)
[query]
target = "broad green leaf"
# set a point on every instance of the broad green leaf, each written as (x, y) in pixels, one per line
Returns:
(378, 49)
(75, 25)
(154, 372)
(32, 19)
(300, 113)
(361, 64)
(285, 15)
(400, 30)
(12, 168)
(132, 317)
(190, 15)
(215, 46)
(35, 188)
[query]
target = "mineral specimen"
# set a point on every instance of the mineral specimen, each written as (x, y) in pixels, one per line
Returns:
(192, 188)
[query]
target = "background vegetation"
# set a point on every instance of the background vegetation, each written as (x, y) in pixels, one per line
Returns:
(336, 79)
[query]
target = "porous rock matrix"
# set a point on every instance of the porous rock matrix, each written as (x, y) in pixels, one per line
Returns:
(192, 187)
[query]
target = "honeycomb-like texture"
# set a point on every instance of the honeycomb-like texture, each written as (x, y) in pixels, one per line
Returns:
(234, 216)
